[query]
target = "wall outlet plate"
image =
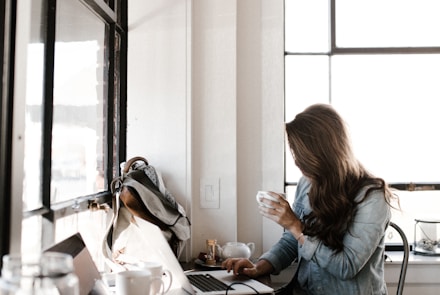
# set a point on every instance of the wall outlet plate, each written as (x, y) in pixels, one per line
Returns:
(210, 193)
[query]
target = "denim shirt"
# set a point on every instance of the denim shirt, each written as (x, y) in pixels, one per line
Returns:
(357, 270)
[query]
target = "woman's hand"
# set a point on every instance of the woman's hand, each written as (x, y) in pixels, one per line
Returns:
(240, 266)
(281, 212)
(243, 266)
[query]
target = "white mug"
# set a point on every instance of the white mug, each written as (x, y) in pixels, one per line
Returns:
(136, 282)
(158, 271)
(264, 194)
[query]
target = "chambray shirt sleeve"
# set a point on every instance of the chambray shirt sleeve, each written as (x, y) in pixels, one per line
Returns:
(360, 242)
(285, 251)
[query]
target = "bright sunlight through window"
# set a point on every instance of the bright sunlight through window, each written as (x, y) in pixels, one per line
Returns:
(379, 66)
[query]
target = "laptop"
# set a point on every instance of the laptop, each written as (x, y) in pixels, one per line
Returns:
(89, 278)
(157, 249)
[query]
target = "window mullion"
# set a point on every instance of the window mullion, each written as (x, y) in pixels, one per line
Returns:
(7, 31)
(332, 25)
(386, 50)
(102, 9)
(49, 61)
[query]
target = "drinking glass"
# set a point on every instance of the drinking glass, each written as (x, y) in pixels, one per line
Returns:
(50, 273)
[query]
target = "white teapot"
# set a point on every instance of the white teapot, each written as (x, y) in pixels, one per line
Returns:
(236, 250)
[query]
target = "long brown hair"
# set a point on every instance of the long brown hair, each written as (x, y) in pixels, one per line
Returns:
(321, 148)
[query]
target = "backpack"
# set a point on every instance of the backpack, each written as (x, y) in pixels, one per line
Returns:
(140, 192)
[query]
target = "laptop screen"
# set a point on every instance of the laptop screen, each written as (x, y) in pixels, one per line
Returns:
(85, 267)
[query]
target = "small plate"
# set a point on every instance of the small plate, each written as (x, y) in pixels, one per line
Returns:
(200, 262)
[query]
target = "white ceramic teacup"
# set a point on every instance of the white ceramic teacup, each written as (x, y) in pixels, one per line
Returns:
(157, 271)
(265, 194)
(137, 282)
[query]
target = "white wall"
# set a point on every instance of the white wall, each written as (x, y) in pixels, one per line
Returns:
(205, 102)
(159, 101)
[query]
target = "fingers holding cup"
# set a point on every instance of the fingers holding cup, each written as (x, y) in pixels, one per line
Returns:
(268, 199)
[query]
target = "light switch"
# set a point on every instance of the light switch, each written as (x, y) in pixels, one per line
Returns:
(210, 193)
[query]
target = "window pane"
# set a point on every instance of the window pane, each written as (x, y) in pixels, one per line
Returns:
(387, 23)
(390, 103)
(79, 102)
(413, 205)
(306, 83)
(307, 26)
(29, 65)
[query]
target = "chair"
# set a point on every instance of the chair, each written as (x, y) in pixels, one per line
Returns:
(404, 267)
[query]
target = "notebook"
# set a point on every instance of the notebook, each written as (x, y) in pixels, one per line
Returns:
(182, 283)
(89, 278)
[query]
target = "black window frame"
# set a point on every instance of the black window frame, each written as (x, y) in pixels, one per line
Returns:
(114, 14)
(334, 50)
(7, 31)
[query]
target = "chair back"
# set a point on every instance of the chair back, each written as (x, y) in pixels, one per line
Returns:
(404, 267)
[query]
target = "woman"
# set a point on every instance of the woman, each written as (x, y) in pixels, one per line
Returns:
(337, 223)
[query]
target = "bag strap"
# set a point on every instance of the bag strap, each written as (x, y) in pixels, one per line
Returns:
(130, 162)
(117, 182)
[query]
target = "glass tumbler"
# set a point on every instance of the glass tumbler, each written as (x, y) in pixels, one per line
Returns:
(51, 273)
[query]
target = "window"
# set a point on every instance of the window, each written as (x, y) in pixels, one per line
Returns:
(378, 63)
(69, 100)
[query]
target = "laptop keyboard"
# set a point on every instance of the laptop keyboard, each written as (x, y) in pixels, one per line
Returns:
(207, 283)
